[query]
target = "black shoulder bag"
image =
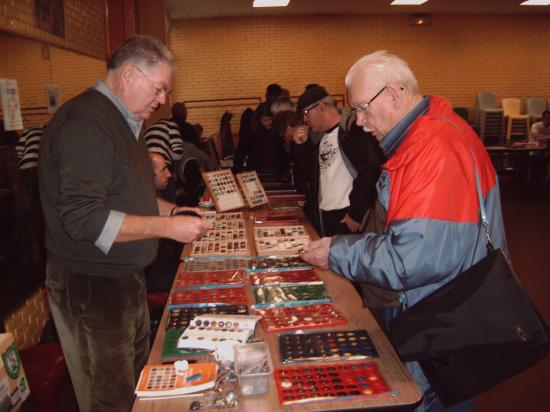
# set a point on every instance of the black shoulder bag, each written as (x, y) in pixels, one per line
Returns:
(474, 332)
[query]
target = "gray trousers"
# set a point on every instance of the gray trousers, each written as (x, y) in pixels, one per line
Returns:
(103, 325)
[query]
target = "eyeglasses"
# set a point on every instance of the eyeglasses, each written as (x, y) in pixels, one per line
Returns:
(305, 112)
(158, 90)
(362, 108)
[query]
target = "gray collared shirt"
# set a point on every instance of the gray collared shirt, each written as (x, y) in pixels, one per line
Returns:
(110, 230)
(134, 123)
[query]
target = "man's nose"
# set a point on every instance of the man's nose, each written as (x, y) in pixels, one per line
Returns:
(161, 98)
(361, 121)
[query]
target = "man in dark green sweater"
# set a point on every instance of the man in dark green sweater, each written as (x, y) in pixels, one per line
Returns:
(102, 220)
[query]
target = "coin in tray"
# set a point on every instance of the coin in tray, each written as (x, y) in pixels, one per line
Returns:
(334, 345)
(342, 381)
(282, 245)
(313, 316)
(275, 263)
(216, 263)
(210, 279)
(284, 277)
(229, 295)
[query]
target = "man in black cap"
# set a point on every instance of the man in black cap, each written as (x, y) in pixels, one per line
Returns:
(348, 165)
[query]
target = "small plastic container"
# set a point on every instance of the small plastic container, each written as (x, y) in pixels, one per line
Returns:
(253, 367)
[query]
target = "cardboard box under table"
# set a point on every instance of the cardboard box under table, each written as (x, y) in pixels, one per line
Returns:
(14, 388)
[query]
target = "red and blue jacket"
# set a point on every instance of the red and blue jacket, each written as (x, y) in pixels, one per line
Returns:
(428, 188)
(433, 229)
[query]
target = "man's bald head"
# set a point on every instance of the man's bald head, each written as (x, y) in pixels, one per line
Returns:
(160, 171)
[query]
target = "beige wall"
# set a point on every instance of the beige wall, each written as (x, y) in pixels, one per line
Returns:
(457, 56)
(36, 58)
(70, 71)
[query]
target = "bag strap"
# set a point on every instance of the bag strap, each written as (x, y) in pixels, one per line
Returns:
(484, 221)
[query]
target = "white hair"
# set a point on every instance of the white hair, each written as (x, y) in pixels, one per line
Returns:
(281, 104)
(384, 67)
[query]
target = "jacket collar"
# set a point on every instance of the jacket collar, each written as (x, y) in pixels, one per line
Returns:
(395, 137)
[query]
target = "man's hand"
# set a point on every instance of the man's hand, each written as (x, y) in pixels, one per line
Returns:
(350, 223)
(316, 252)
(180, 228)
(300, 134)
(186, 229)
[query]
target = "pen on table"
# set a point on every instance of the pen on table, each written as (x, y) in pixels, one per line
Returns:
(193, 377)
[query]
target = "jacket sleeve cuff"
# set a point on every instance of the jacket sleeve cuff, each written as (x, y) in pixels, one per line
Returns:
(110, 231)
(337, 253)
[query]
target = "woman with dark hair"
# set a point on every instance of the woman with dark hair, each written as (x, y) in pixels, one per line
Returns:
(268, 155)
(245, 140)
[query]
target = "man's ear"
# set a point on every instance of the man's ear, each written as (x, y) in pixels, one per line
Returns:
(126, 72)
(395, 93)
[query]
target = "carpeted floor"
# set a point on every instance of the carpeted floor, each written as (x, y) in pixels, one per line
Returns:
(528, 232)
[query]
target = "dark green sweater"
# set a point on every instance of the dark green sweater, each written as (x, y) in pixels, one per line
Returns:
(90, 164)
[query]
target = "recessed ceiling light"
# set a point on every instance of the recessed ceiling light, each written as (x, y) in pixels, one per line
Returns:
(536, 3)
(270, 3)
(407, 2)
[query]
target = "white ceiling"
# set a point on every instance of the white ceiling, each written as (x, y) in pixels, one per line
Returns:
(190, 9)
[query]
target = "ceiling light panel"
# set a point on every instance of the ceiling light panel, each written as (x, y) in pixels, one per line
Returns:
(536, 3)
(270, 3)
(407, 2)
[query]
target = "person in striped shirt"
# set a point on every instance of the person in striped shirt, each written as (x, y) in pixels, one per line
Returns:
(29, 210)
(163, 137)
(28, 146)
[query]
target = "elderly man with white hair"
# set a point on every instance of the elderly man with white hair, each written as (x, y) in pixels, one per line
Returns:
(427, 186)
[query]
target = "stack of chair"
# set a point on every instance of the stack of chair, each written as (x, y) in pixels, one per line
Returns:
(517, 124)
(489, 118)
(534, 107)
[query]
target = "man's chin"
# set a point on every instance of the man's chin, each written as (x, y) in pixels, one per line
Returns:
(146, 114)
(378, 136)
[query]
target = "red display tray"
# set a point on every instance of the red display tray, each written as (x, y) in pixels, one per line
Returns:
(342, 381)
(231, 296)
(300, 317)
(191, 279)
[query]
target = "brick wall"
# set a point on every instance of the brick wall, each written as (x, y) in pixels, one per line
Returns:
(84, 24)
(71, 72)
(237, 57)
(457, 56)
(71, 62)
(27, 321)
